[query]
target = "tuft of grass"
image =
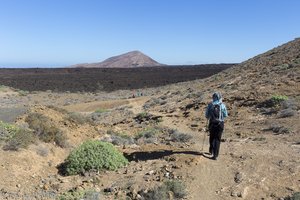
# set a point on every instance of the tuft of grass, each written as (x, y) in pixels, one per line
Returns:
(94, 155)
(4, 88)
(143, 115)
(101, 110)
(23, 92)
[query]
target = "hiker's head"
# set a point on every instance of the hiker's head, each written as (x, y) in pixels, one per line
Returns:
(217, 96)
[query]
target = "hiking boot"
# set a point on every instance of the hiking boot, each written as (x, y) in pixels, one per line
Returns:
(210, 151)
(214, 158)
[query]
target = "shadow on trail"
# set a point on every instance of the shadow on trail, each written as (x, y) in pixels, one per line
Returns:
(154, 155)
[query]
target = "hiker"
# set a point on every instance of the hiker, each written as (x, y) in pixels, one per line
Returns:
(215, 112)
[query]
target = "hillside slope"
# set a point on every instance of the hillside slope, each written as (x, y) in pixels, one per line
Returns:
(259, 135)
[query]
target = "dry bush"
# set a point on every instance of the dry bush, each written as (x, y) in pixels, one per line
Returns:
(286, 113)
(148, 136)
(176, 136)
(21, 139)
(42, 151)
(45, 130)
(58, 109)
(118, 139)
(177, 188)
(277, 129)
(78, 118)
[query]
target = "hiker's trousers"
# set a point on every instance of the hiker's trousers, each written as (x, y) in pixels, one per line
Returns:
(215, 139)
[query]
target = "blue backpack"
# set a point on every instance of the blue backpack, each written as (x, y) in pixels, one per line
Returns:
(215, 114)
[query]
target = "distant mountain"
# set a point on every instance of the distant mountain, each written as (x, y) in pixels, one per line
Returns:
(128, 60)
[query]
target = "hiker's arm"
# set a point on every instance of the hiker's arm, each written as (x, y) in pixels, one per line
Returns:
(206, 111)
(224, 110)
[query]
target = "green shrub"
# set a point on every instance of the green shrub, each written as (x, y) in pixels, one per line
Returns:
(95, 155)
(275, 103)
(278, 99)
(21, 139)
(295, 196)
(7, 130)
(143, 115)
(45, 130)
(71, 195)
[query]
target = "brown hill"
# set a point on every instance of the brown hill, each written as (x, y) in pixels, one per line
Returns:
(128, 60)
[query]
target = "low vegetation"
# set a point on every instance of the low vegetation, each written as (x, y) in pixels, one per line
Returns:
(45, 130)
(101, 110)
(147, 117)
(118, 139)
(79, 195)
(174, 188)
(280, 105)
(94, 155)
(278, 99)
(7, 130)
(148, 135)
(77, 118)
(295, 196)
(21, 139)
(15, 137)
(177, 136)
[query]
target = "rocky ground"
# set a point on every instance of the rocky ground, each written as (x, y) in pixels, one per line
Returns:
(260, 152)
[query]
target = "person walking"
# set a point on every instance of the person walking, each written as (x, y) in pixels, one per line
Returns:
(215, 112)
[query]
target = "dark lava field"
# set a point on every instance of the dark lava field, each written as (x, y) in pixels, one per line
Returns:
(103, 79)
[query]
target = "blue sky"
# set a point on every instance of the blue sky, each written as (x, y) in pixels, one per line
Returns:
(53, 33)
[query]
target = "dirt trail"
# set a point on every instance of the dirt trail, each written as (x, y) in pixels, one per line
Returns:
(208, 176)
(108, 104)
